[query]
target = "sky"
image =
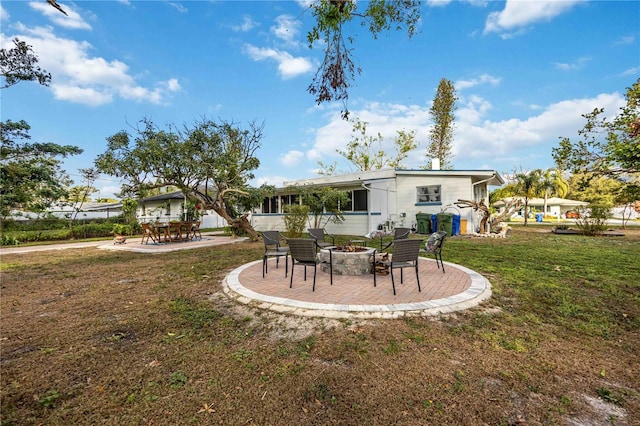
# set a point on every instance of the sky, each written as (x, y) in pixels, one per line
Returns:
(524, 72)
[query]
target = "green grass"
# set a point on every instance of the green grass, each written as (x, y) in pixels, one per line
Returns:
(107, 337)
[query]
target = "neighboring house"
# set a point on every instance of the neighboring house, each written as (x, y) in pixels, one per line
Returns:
(557, 207)
(388, 198)
(171, 206)
(87, 210)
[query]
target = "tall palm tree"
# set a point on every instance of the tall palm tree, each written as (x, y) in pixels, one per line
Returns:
(527, 185)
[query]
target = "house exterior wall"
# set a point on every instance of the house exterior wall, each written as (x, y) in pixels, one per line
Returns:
(156, 211)
(393, 201)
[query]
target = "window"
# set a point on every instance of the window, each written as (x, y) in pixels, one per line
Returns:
(360, 200)
(428, 194)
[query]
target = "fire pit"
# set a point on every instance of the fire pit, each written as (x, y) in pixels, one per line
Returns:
(347, 260)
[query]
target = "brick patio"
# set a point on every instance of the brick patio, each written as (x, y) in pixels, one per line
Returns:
(355, 296)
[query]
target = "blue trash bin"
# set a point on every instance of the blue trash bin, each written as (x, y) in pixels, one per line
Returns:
(539, 217)
(455, 225)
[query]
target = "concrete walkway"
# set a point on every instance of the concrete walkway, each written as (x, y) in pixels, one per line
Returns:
(132, 244)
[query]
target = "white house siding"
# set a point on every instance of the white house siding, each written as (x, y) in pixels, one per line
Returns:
(452, 189)
(155, 211)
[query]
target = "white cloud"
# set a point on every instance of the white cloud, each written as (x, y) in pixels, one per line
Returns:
(577, 65)
(179, 7)
(631, 71)
(4, 15)
(478, 140)
(518, 15)
(246, 25)
(82, 78)
(483, 79)
(72, 20)
(287, 29)
(276, 181)
(291, 158)
(288, 65)
(438, 3)
(625, 40)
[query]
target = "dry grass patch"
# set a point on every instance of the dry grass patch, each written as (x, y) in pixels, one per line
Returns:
(109, 337)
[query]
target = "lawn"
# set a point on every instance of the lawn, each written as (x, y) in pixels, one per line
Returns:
(108, 337)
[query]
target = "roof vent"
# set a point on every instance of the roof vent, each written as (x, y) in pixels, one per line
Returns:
(435, 164)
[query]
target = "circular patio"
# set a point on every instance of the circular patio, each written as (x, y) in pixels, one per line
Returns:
(355, 296)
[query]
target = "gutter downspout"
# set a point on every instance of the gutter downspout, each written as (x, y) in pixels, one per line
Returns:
(364, 185)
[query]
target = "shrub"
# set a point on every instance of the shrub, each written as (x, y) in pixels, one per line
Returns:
(295, 220)
(593, 219)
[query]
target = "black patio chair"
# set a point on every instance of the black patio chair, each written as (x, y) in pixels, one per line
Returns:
(405, 254)
(398, 234)
(304, 252)
(321, 236)
(434, 246)
(272, 249)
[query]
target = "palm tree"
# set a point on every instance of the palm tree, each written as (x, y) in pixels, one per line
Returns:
(527, 185)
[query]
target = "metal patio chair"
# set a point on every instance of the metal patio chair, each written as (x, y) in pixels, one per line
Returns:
(272, 249)
(304, 252)
(405, 254)
(398, 234)
(321, 236)
(434, 246)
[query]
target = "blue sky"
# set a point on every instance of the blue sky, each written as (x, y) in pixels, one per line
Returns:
(524, 72)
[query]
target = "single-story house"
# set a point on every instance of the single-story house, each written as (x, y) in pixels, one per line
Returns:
(388, 198)
(79, 211)
(171, 206)
(556, 206)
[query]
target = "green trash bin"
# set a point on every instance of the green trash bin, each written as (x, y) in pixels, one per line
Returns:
(445, 222)
(424, 223)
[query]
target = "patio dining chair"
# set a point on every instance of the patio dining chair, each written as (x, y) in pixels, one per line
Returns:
(434, 246)
(195, 230)
(398, 234)
(149, 233)
(405, 254)
(321, 236)
(304, 252)
(272, 249)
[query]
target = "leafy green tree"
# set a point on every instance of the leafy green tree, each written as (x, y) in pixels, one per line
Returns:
(527, 186)
(324, 203)
(365, 151)
(80, 194)
(31, 177)
(337, 72)
(442, 114)
(19, 64)
(552, 182)
(210, 162)
(607, 147)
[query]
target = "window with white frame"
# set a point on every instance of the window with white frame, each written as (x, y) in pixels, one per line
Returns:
(428, 194)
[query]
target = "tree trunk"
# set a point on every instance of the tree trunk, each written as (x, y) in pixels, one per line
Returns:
(477, 206)
(236, 223)
(509, 210)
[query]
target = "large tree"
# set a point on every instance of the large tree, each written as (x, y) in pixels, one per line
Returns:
(337, 72)
(210, 162)
(442, 114)
(608, 147)
(20, 64)
(365, 151)
(31, 177)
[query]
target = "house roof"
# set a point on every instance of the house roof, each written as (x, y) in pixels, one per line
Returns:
(490, 176)
(175, 195)
(553, 201)
(101, 207)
